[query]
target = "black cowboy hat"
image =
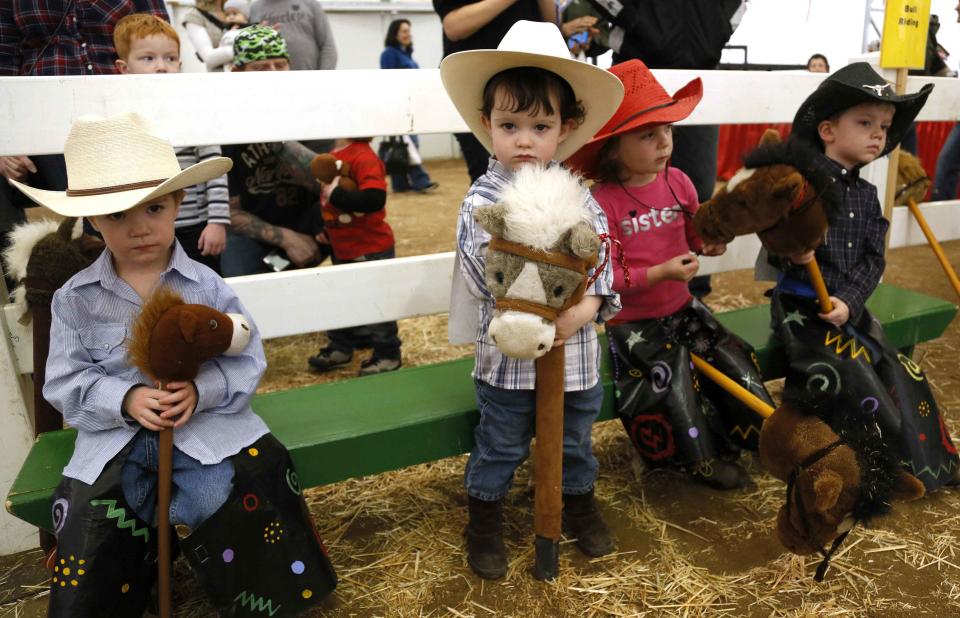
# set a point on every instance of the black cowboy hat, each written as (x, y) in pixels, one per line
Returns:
(852, 85)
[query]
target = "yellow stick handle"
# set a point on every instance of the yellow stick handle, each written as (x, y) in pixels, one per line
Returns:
(816, 278)
(746, 397)
(935, 245)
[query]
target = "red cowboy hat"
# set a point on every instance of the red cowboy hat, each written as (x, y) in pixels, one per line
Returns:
(645, 102)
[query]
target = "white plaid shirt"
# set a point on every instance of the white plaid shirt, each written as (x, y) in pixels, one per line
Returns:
(582, 349)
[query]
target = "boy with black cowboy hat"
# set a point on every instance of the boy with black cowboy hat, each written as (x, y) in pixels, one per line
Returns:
(231, 477)
(528, 103)
(840, 360)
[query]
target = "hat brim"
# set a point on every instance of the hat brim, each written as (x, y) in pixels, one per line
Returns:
(108, 203)
(465, 75)
(834, 97)
(685, 100)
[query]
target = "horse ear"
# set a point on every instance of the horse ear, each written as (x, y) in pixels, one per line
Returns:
(582, 241)
(827, 487)
(908, 487)
(187, 322)
(788, 186)
(770, 136)
(492, 218)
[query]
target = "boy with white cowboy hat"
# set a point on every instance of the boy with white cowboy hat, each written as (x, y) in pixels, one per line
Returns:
(128, 183)
(528, 103)
(853, 118)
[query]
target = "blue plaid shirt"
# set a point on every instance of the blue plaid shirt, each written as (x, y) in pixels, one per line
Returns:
(88, 373)
(851, 256)
(582, 350)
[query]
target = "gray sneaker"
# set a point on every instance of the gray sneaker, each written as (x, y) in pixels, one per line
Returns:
(376, 364)
(330, 358)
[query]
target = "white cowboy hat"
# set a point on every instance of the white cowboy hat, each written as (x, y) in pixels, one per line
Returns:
(531, 44)
(116, 163)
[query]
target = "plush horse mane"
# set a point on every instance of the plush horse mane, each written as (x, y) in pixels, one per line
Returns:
(153, 309)
(803, 157)
(542, 204)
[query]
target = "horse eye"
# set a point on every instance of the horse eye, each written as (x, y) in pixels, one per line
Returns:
(213, 324)
(558, 291)
(499, 276)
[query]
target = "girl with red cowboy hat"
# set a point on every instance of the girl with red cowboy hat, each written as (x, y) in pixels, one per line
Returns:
(672, 417)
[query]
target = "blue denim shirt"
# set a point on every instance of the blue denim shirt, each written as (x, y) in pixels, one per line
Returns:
(88, 373)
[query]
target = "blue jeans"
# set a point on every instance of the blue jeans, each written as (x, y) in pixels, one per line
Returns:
(382, 337)
(243, 256)
(503, 439)
(415, 178)
(198, 490)
(948, 168)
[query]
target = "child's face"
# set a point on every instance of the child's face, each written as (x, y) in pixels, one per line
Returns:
(858, 135)
(522, 137)
(140, 238)
(152, 54)
(234, 16)
(645, 152)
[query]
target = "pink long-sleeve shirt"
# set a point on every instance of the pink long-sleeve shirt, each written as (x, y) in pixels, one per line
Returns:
(652, 228)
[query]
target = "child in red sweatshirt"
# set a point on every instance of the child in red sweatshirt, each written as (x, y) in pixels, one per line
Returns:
(673, 415)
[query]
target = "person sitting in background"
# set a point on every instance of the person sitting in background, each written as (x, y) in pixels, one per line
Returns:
(147, 44)
(818, 63)
(398, 54)
(305, 28)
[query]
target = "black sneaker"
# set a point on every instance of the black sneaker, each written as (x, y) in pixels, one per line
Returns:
(433, 186)
(330, 358)
(378, 364)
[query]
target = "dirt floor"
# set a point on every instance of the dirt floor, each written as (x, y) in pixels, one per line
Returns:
(682, 549)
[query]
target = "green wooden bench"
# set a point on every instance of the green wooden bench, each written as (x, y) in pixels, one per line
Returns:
(363, 426)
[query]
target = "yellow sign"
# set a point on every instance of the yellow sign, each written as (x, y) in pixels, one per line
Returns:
(904, 42)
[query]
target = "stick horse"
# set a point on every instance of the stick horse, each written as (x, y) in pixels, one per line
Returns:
(541, 249)
(838, 468)
(171, 339)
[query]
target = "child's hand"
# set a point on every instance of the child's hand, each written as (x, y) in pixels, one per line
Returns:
(573, 319)
(143, 404)
(328, 187)
(802, 258)
(714, 249)
(213, 239)
(840, 314)
(681, 268)
(180, 401)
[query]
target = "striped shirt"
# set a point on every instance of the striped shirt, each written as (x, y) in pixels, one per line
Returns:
(88, 374)
(582, 350)
(206, 202)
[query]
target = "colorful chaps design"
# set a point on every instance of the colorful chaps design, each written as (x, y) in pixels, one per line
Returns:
(671, 413)
(855, 370)
(258, 555)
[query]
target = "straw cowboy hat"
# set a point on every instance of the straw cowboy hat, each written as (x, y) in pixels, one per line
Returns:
(646, 103)
(531, 44)
(852, 85)
(116, 163)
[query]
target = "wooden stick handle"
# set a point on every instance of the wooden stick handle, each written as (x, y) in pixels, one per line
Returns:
(164, 554)
(548, 465)
(935, 245)
(743, 395)
(816, 278)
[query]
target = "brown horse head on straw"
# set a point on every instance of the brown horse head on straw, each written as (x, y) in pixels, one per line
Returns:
(171, 338)
(541, 248)
(780, 194)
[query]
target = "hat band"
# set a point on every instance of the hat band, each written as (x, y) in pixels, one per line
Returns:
(115, 188)
(640, 113)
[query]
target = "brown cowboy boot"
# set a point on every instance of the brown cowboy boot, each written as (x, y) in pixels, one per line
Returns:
(582, 520)
(486, 553)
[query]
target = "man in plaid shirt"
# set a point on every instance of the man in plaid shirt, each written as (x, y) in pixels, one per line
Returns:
(58, 37)
(840, 360)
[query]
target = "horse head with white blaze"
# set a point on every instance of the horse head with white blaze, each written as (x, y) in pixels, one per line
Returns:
(542, 246)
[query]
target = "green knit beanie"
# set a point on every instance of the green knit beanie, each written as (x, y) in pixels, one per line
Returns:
(258, 43)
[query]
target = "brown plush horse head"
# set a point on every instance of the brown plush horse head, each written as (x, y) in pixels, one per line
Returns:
(541, 248)
(833, 480)
(171, 339)
(780, 195)
(912, 180)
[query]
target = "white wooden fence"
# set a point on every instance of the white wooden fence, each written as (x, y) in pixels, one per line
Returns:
(192, 109)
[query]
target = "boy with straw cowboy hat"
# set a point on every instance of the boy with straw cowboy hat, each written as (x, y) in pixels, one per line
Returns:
(127, 182)
(841, 358)
(528, 103)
